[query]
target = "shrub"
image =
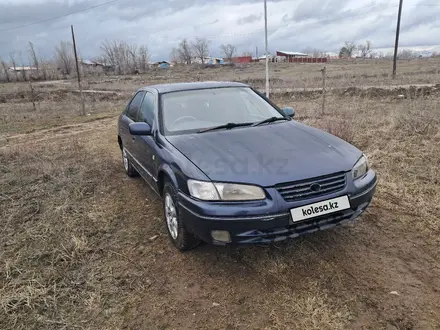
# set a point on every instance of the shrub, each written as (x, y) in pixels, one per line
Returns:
(342, 128)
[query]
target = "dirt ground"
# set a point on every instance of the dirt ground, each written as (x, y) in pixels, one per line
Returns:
(82, 246)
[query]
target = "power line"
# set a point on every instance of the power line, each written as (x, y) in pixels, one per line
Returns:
(113, 1)
(313, 20)
(61, 16)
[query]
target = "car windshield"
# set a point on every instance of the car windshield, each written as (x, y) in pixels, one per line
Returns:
(195, 110)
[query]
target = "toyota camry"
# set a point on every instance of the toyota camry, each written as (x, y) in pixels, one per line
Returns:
(233, 168)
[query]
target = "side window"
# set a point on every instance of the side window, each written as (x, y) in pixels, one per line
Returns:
(147, 109)
(135, 105)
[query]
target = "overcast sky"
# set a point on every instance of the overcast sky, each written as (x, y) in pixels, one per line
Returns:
(293, 24)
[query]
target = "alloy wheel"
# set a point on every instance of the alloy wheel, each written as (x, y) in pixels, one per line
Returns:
(171, 216)
(125, 159)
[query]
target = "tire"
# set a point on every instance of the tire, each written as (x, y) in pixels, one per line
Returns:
(181, 238)
(128, 167)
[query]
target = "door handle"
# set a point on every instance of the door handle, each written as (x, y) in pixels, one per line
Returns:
(133, 138)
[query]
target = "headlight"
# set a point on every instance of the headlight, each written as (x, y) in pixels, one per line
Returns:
(360, 168)
(212, 191)
(203, 190)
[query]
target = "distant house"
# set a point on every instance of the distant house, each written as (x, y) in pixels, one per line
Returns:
(289, 55)
(160, 64)
(241, 59)
(206, 60)
(263, 57)
(426, 53)
(96, 66)
(22, 68)
(296, 57)
(215, 60)
(164, 64)
(89, 63)
(332, 55)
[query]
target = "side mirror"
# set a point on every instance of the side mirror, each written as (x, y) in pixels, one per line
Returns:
(139, 129)
(288, 111)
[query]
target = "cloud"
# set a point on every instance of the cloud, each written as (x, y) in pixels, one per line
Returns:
(249, 19)
(292, 25)
(309, 9)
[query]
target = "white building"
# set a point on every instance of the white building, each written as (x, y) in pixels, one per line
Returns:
(207, 60)
(22, 68)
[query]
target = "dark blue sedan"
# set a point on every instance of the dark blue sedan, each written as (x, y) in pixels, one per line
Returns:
(233, 168)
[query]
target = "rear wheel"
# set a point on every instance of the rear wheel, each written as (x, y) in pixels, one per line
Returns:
(128, 167)
(178, 234)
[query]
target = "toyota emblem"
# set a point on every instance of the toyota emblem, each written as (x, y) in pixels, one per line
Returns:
(315, 187)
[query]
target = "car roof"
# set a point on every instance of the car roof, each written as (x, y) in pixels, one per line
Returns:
(176, 87)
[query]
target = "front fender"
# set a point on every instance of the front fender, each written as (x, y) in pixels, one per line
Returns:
(164, 171)
(177, 167)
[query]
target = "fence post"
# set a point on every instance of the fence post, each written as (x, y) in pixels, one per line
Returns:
(323, 70)
(32, 95)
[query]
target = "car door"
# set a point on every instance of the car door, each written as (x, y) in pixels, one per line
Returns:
(145, 146)
(128, 117)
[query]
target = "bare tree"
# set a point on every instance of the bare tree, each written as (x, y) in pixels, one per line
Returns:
(229, 51)
(201, 48)
(115, 53)
(132, 58)
(108, 54)
(348, 49)
(406, 54)
(23, 69)
(247, 54)
(64, 57)
(100, 59)
(124, 57)
(365, 49)
(14, 64)
(44, 67)
(144, 58)
(34, 58)
(5, 69)
(185, 52)
(175, 56)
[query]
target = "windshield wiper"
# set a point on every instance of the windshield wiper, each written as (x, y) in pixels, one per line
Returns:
(225, 126)
(269, 120)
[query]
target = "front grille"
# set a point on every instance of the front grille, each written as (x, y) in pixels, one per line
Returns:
(300, 228)
(293, 191)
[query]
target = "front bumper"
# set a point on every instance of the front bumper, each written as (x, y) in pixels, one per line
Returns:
(264, 227)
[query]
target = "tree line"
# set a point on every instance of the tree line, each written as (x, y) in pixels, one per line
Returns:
(350, 47)
(119, 56)
(365, 50)
(187, 52)
(122, 57)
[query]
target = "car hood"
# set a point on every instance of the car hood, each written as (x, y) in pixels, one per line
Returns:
(267, 155)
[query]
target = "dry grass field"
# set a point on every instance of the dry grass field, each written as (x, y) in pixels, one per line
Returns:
(82, 246)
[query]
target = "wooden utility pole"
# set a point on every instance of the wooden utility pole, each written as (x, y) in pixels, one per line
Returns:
(83, 105)
(267, 53)
(396, 45)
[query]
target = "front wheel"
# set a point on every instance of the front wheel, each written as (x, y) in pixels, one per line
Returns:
(128, 167)
(181, 238)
